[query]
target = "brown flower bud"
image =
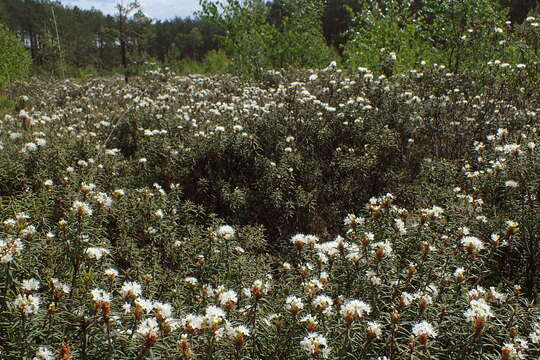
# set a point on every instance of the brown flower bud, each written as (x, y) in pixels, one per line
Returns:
(505, 353)
(513, 331)
(65, 352)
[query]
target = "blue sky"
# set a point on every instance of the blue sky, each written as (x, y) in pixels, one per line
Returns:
(158, 9)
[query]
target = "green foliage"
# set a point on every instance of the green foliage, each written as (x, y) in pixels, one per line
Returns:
(255, 44)
(14, 59)
(387, 41)
(277, 34)
(86, 73)
(298, 41)
(466, 32)
(216, 62)
(522, 44)
(186, 66)
(6, 105)
(91, 39)
(463, 35)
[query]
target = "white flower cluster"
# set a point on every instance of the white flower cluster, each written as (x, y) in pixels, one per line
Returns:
(225, 231)
(424, 329)
(478, 309)
(316, 345)
(27, 304)
(10, 249)
(354, 310)
(96, 253)
(300, 240)
(81, 209)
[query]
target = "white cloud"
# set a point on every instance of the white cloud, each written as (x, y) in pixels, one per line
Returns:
(163, 9)
(159, 9)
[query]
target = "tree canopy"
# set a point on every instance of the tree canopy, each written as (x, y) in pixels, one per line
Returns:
(66, 39)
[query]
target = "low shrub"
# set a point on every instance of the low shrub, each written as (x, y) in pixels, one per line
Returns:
(315, 214)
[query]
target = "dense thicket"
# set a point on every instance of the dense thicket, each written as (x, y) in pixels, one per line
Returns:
(66, 39)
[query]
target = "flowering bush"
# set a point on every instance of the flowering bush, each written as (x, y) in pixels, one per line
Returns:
(317, 214)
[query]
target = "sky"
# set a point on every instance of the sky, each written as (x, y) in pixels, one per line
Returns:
(158, 9)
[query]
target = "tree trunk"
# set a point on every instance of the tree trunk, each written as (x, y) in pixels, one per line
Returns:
(101, 52)
(33, 52)
(520, 8)
(123, 48)
(124, 58)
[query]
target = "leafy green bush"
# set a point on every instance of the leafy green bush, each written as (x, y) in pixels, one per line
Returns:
(387, 40)
(187, 66)
(6, 105)
(463, 35)
(14, 59)
(86, 73)
(255, 44)
(467, 33)
(217, 62)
